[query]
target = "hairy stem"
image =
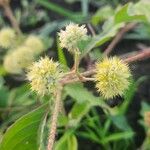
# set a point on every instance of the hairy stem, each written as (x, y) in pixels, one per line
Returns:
(76, 61)
(11, 17)
(53, 126)
(141, 55)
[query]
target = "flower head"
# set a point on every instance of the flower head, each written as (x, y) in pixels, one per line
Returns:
(10, 64)
(71, 36)
(19, 59)
(24, 56)
(35, 43)
(7, 37)
(111, 77)
(44, 76)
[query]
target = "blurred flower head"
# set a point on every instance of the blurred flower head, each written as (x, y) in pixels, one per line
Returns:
(7, 37)
(11, 65)
(44, 75)
(19, 59)
(71, 36)
(35, 43)
(112, 77)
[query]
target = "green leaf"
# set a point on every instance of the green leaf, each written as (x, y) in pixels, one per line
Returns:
(77, 113)
(125, 15)
(3, 72)
(78, 92)
(4, 93)
(142, 8)
(61, 55)
(112, 25)
(128, 95)
(21, 96)
(106, 127)
(96, 54)
(72, 143)
(118, 136)
(22, 135)
(67, 142)
(60, 10)
(62, 120)
(85, 100)
(41, 133)
(82, 95)
(78, 110)
(100, 39)
(61, 144)
(141, 32)
(102, 14)
(121, 122)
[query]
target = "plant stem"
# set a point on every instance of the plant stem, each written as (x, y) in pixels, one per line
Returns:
(76, 61)
(118, 37)
(141, 55)
(91, 29)
(84, 76)
(53, 126)
(11, 17)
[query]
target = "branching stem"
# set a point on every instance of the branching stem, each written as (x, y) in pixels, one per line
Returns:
(85, 75)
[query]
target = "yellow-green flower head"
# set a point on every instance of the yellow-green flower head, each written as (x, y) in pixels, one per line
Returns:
(112, 77)
(24, 56)
(35, 43)
(7, 37)
(71, 36)
(10, 64)
(44, 75)
(19, 59)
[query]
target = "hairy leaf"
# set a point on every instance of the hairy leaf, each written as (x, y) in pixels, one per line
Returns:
(22, 135)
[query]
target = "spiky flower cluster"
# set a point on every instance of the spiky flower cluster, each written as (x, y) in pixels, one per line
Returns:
(7, 37)
(71, 36)
(112, 77)
(44, 76)
(20, 58)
